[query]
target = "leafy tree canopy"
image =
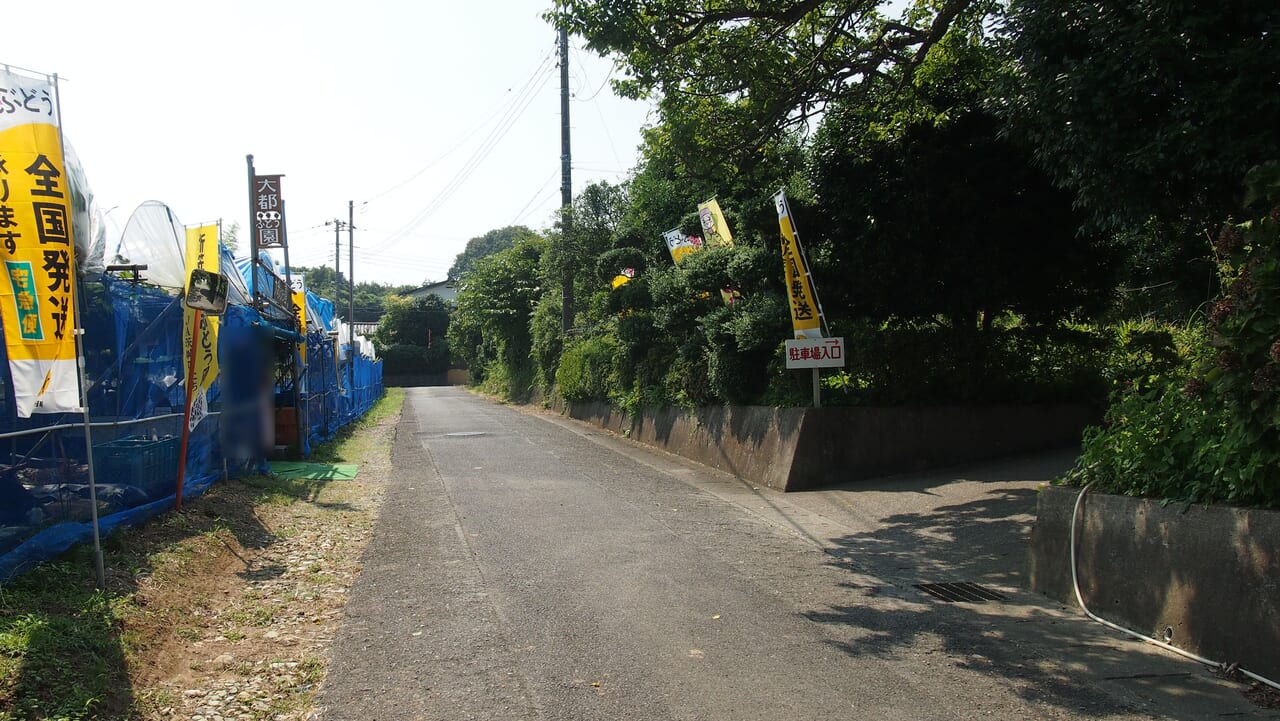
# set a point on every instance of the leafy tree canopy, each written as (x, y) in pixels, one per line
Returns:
(932, 212)
(370, 297)
(420, 322)
(786, 59)
(1147, 107)
(485, 245)
(495, 302)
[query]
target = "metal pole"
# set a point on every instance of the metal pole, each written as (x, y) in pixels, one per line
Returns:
(78, 331)
(191, 384)
(288, 272)
(817, 388)
(351, 298)
(253, 241)
(566, 187)
(337, 253)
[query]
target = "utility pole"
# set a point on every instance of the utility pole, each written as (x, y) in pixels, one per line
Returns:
(566, 188)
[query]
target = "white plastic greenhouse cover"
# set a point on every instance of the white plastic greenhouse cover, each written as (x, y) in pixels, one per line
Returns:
(153, 237)
(86, 221)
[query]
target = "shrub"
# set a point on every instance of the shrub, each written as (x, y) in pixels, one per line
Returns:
(588, 369)
(1210, 431)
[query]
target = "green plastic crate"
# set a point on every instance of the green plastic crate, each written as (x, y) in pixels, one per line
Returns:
(151, 465)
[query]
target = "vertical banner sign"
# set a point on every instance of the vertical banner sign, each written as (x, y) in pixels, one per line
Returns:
(299, 294)
(36, 249)
(268, 211)
(202, 252)
(715, 230)
(681, 245)
(806, 312)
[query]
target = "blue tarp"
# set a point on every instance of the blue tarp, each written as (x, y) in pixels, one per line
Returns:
(134, 363)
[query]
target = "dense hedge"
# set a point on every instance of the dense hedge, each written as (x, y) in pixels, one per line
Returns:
(1210, 430)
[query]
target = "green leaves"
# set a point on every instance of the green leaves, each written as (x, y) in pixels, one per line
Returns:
(1210, 431)
(1147, 108)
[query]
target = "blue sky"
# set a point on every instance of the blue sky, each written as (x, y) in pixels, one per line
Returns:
(440, 120)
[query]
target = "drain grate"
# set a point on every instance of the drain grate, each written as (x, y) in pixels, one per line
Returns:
(963, 592)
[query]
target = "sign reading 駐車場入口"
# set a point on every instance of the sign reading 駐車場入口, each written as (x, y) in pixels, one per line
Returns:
(815, 353)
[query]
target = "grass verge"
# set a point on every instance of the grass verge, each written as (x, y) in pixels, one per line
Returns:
(246, 582)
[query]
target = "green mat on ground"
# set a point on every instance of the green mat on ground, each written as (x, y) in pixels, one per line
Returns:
(315, 471)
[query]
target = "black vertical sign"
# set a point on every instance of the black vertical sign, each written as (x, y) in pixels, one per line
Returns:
(268, 211)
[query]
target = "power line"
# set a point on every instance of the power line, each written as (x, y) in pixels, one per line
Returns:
(536, 194)
(491, 113)
(522, 102)
(604, 82)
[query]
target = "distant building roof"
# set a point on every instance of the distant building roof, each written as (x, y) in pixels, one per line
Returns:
(444, 289)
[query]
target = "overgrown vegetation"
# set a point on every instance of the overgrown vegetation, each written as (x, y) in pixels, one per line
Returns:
(1209, 430)
(1002, 202)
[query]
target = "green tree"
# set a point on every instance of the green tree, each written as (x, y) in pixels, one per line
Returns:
(490, 328)
(324, 282)
(486, 245)
(231, 237)
(936, 213)
(1147, 108)
(789, 57)
(421, 322)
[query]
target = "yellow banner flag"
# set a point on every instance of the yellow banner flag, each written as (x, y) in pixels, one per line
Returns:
(806, 311)
(37, 301)
(202, 252)
(681, 245)
(715, 230)
(299, 293)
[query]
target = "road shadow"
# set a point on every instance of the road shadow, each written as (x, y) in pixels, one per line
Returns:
(1066, 678)
(980, 540)
(973, 525)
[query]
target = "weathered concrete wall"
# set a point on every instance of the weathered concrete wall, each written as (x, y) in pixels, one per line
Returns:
(750, 442)
(1212, 575)
(847, 444)
(454, 377)
(797, 448)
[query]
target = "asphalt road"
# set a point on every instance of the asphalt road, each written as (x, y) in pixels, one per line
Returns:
(527, 567)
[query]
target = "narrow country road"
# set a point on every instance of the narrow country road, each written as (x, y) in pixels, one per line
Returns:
(527, 567)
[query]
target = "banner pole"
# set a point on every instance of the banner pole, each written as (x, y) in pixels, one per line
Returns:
(78, 332)
(817, 387)
(191, 384)
(253, 239)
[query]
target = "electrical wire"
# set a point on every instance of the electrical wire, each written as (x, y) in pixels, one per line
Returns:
(536, 194)
(465, 174)
(489, 114)
(607, 77)
(523, 100)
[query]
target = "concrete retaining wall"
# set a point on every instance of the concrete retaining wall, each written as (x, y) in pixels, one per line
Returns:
(1211, 575)
(847, 444)
(798, 448)
(454, 377)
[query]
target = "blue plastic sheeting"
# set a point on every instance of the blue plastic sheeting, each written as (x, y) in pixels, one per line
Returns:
(322, 310)
(329, 400)
(135, 364)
